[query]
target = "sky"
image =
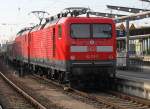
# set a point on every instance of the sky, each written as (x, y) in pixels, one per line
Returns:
(14, 14)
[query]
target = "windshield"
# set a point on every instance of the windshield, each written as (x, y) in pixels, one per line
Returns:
(101, 31)
(80, 31)
(91, 30)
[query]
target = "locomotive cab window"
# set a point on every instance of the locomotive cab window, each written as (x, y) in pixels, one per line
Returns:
(102, 31)
(80, 30)
(91, 31)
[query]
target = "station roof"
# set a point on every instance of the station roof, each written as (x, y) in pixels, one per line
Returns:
(127, 9)
(145, 0)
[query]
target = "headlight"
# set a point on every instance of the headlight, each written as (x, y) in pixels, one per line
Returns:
(72, 57)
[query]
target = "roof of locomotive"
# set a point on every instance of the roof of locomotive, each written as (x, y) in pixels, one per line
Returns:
(64, 19)
(67, 15)
(60, 21)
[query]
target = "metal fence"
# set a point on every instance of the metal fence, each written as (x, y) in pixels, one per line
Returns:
(135, 64)
(129, 63)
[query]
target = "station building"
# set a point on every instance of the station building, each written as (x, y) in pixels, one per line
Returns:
(139, 40)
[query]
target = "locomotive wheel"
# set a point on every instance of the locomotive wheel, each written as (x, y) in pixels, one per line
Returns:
(60, 78)
(21, 73)
(40, 72)
(49, 74)
(52, 74)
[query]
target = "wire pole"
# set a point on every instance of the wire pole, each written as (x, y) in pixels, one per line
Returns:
(127, 42)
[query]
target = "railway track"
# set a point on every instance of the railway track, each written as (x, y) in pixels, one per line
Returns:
(108, 100)
(50, 97)
(30, 102)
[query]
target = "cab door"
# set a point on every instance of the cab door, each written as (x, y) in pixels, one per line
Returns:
(29, 46)
(54, 42)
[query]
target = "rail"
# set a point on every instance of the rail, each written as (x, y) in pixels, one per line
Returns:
(24, 94)
(111, 101)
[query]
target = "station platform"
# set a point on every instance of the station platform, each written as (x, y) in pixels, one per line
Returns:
(139, 76)
(136, 83)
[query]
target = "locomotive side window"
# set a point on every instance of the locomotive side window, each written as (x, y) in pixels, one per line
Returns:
(59, 31)
(102, 31)
(80, 30)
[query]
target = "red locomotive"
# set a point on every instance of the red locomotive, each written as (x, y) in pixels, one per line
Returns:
(68, 49)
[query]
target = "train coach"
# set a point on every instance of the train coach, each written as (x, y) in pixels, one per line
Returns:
(68, 49)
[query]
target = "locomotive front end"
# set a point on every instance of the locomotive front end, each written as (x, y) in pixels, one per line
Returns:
(92, 48)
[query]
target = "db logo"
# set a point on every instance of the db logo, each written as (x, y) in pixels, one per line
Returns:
(92, 42)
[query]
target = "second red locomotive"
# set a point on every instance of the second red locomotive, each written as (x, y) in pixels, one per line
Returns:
(69, 49)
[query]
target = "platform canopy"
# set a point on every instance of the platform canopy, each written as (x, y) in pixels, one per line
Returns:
(137, 16)
(109, 15)
(145, 0)
(127, 9)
